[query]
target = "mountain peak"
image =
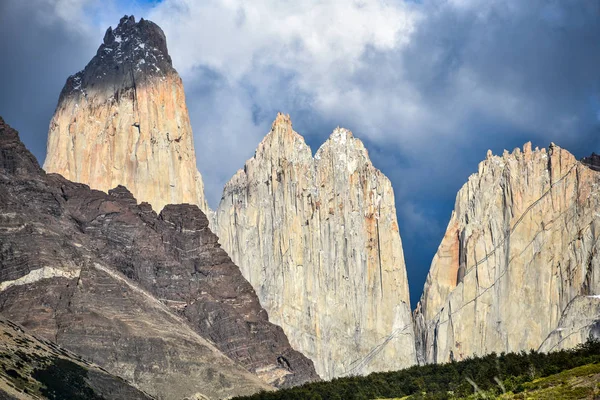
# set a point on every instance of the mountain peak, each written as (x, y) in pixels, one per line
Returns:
(119, 119)
(14, 157)
(341, 136)
(132, 52)
(592, 161)
(282, 121)
(345, 148)
(134, 40)
(329, 222)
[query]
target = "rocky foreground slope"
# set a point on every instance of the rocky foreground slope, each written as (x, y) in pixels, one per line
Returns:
(151, 298)
(519, 265)
(123, 120)
(318, 239)
(34, 368)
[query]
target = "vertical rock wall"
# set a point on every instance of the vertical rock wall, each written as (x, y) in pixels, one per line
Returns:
(318, 240)
(518, 267)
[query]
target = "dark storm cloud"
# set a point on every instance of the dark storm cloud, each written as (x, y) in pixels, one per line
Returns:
(487, 75)
(39, 51)
(42, 42)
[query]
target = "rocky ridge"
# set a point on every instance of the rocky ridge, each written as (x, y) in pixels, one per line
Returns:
(318, 240)
(34, 368)
(123, 120)
(151, 298)
(518, 266)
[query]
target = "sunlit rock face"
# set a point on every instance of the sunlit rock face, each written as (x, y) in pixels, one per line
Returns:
(518, 267)
(318, 239)
(123, 120)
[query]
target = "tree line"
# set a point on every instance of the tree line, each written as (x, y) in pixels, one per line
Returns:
(492, 374)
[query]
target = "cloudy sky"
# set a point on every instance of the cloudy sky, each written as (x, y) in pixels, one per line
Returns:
(428, 85)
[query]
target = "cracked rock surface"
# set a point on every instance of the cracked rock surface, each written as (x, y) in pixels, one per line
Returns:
(318, 239)
(518, 267)
(151, 298)
(123, 120)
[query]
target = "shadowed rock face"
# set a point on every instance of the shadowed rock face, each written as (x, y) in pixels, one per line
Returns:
(592, 161)
(131, 54)
(318, 239)
(518, 267)
(123, 120)
(33, 368)
(151, 298)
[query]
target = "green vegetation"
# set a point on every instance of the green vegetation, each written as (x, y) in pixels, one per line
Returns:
(46, 376)
(566, 374)
(65, 380)
(577, 383)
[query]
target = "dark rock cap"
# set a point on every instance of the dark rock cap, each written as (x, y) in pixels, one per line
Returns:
(592, 161)
(130, 54)
(121, 192)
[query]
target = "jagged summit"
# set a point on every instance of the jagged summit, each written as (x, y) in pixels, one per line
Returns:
(282, 120)
(284, 141)
(129, 54)
(318, 239)
(342, 140)
(14, 157)
(592, 161)
(522, 241)
(282, 126)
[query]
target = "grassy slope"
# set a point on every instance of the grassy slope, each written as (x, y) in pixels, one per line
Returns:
(577, 383)
(573, 384)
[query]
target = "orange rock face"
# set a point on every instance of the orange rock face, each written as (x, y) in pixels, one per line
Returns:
(123, 120)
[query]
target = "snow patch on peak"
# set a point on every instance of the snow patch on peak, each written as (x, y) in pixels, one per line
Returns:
(341, 135)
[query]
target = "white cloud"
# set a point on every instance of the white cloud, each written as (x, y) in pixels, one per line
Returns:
(415, 77)
(230, 35)
(275, 55)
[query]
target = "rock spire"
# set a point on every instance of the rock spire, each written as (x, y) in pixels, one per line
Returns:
(318, 240)
(123, 120)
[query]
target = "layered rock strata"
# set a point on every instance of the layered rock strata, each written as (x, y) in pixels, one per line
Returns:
(318, 239)
(518, 267)
(123, 120)
(152, 298)
(34, 368)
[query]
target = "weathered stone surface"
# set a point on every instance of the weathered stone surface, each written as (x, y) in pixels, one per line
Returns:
(123, 120)
(34, 368)
(579, 321)
(318, 240)
(517, 261)
(153, 299)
